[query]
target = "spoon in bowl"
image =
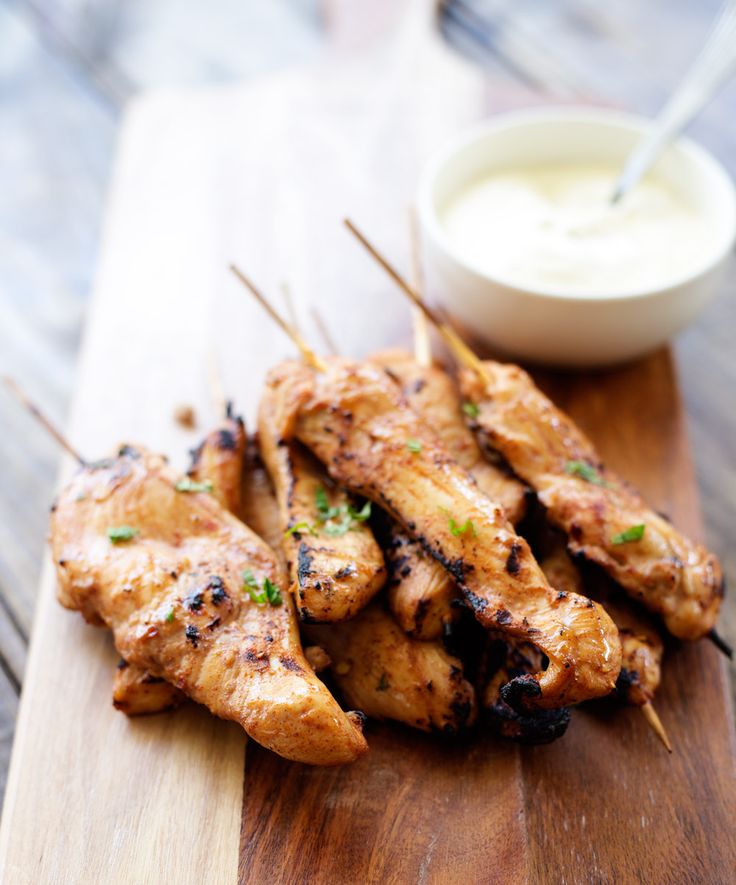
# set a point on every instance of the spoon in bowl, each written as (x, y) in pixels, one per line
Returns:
(713, 66)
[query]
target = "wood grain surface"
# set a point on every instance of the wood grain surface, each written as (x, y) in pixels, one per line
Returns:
(263, 175)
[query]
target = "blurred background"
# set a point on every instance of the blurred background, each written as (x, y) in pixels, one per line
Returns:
(67, 70)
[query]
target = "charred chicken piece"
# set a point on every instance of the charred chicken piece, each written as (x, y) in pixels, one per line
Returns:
(335, 564)
(138, 693)
(218, 462)
(605, 520)
(420, 590)
(217, 465)
(432, 393)
(641, 644)
(355, 421)
(193, 597)
(373, 630)
(388, 675)
(260, 510)
(502, 662)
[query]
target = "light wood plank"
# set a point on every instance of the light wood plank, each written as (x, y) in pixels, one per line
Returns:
(153, 800)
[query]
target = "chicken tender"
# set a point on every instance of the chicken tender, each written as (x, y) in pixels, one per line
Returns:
(386, 674)
(605, 520)
(194, 597)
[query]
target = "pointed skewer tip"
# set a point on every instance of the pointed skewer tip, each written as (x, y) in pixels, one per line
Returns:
(655, 723)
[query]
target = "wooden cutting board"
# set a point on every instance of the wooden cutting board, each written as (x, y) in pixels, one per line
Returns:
(262, 176)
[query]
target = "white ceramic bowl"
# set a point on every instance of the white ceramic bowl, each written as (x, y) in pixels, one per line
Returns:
(547, 326)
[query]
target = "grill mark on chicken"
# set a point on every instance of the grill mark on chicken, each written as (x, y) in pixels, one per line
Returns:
(513, 565)
(219, 460)
(425, 486)
(673, 576)
(422, 605)
(129, 587)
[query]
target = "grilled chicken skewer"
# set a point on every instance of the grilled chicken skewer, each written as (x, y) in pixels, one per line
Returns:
(353, 418)
(335, 564)
(247, 663)
(422, 594)
(641, 645)
(423, 686)
(217, 462)
(421, 591)
(217, 467)
(604, 519)
(165, 571)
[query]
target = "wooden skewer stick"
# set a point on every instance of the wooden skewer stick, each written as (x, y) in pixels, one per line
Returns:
(324, 331)
(422, 344)
(655, 723)
(720, 643)
(289, 302)
(43, 420)
(459, 348)
(308, 355)
(217, 389)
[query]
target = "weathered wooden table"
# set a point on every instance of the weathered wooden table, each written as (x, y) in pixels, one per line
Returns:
(66, 71)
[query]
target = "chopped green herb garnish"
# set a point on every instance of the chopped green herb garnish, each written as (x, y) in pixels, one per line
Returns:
(169, 616)
(335, 529)
(187, 484)
(118, 534)
(300, 527)
(254, 591)
(362, 514)
(323, 505)
(456, 530)
(270, 592)
(471, 410)
(634, 533)
(585, 471)
(348, 515)
(273, 594)
(383, 683)
(414, 446)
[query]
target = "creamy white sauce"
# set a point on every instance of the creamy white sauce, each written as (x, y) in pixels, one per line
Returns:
(552, 227)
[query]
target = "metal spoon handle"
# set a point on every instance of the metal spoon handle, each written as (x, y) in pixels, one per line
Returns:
(713, 66)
